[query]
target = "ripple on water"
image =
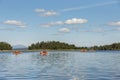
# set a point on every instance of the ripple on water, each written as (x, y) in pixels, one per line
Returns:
(62, 65)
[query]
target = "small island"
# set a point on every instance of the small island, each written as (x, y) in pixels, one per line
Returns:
(57, 45)
(5, 46)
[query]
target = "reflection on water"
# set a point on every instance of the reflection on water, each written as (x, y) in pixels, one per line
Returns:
(60, 65)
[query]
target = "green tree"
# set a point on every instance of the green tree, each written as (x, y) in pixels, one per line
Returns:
(5, 46)
(114, 46)
(51, 45)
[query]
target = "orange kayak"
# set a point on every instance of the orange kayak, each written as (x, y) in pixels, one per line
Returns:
(43, 53)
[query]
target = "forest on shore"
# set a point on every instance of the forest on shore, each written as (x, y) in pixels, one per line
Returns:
(5, 46)
(57, 45)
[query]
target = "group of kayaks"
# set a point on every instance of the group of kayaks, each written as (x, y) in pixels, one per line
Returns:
(43, 53)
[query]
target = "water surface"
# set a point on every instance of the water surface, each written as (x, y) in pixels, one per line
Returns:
(61, 65)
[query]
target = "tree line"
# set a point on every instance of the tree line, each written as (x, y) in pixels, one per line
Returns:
(55, 45)
(51, 45)
(5, 46)
(61, 45)
(114, 46)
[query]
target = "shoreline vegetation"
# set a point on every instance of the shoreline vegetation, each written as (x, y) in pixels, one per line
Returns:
(56, 45)
(11, 51)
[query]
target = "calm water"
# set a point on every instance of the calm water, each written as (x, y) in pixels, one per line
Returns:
(61, 65)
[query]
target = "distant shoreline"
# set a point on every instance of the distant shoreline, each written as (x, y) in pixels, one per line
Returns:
(38, 50)
(57, 45)
(19, 50)
(53, 50)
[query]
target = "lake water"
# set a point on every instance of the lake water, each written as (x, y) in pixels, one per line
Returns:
(61, 65)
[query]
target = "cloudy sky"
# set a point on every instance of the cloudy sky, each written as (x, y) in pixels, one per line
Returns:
(79, 22)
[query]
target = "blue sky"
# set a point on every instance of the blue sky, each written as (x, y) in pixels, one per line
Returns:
(79, 22)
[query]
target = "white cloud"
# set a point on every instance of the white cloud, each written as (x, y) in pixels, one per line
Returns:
(52, 24)
(44, 12)
(67, 22)
(39, 10)
(64, 30)
(75, 21)
(114, 23)
(14, 22)
(56, 23)
(49, 13)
